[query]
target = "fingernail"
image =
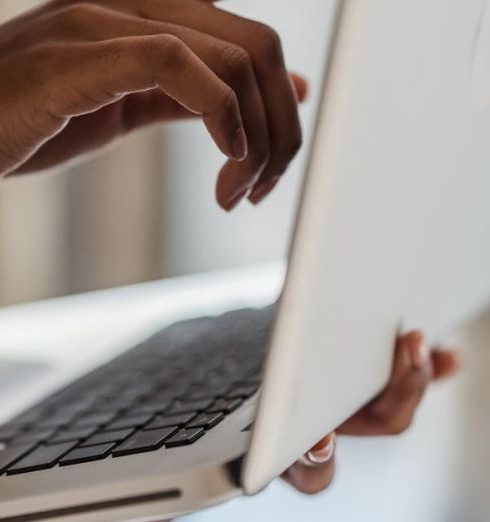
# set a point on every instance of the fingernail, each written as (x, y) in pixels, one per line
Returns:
(233, 201)
(322, 454)
(418, 351)
(240, 145)
(260, 192)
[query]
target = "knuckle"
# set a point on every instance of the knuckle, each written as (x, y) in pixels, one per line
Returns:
(316, 486)
(229, 100)
(78, 12)
(171, 47)
(413, 387)
(165, 53)
(113, 52)
(237, 64)
(269, 44)
(41, 59)
(389, 422)
(397, 426)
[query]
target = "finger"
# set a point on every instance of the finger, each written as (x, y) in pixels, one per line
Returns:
(86, 21)
(300, 86)
(263, 45)
(88, 132)
(236, 180)
(323, 451)
(310, 481)
(445, 363)
(229, 62)
(299, 83)
(411, 353)
(315, 472)
(101, 73)
(393, 410)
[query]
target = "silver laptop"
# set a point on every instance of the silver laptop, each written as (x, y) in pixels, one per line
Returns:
(393, 229)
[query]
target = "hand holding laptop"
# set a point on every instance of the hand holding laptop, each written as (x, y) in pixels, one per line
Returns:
(391, 413)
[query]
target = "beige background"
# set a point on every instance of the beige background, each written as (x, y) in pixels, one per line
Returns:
(93, 226)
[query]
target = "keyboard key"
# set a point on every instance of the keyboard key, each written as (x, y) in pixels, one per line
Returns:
(77, 406)
(34, 436)
(129, 421)
(87, 454)
(114, 406)
(206, 420)
(43, 457)
(132, 392)
(242, 391)
(253, 379)
(144, 441)
(108, 436)
(94, 419)
(184, 437)
(173, 420)
(165, 397)
(152, 386)
(188, 407)
(56, 420)
(150, 407)
(31, 416)
(8, 432)
(225, 405)
(69, 435)
(177, 389)
(10, 454)
(206, 391)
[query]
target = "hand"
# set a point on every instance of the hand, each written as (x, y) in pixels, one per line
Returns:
(391, 413)
(76, 75)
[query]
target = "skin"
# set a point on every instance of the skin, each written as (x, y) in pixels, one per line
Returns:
(78, 75)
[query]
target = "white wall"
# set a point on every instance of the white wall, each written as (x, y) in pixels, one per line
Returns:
(198, 236)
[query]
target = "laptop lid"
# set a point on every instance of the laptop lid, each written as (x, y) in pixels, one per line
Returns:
(394, 222)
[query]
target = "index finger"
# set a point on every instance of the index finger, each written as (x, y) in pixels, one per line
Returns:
(264, 47)
(100, 73)
(279, 161)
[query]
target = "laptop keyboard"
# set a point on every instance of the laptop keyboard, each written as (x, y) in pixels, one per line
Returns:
(167, 392)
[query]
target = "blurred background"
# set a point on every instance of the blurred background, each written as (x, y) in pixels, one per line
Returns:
(145, 210)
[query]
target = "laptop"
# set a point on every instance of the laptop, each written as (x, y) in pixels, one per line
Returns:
(392, 231)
